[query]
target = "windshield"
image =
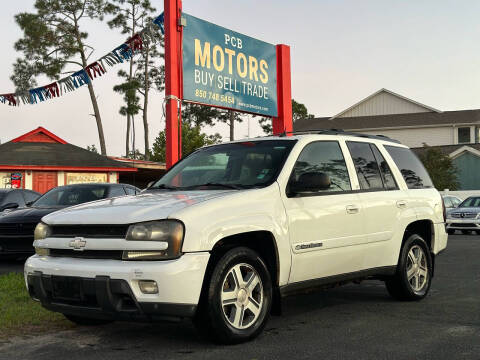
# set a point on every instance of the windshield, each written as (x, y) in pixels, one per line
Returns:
(471, 202)
(69, 196)
(238, 166)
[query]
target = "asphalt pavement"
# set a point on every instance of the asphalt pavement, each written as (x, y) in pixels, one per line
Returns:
(350, 322)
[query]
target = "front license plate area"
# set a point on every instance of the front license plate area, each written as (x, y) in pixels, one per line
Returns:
(66, 288)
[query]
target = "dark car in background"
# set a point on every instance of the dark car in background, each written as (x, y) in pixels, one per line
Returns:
(17, 227)
(11, 199)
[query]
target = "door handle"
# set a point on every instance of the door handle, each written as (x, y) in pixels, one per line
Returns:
(402, 204)
(352, 209)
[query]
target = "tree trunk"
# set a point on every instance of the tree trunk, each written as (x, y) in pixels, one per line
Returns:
(127, 142)
(130, 76)
(232, 125)
(145, 104)
(93, 98)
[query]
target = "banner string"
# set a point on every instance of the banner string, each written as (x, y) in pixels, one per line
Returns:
(96, 69)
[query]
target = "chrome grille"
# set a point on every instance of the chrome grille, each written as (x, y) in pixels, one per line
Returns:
(461, 215)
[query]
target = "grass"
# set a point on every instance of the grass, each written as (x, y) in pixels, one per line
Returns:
(20, 315)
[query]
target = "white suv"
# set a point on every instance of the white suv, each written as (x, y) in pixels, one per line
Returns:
(234, 227)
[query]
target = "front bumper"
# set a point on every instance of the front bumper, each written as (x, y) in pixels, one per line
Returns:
(463, 224)
(108, 289)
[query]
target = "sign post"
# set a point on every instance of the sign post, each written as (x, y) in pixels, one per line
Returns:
(173, 56)
(284, 121)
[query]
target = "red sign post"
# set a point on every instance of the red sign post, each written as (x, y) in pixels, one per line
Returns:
(174, 84)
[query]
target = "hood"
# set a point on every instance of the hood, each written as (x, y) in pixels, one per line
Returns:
(25, 215)
(132, 209)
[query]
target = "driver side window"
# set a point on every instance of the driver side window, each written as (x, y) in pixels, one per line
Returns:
(324, 157)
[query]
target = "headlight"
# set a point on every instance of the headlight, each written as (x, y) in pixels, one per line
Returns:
(168, 231)
(42, 231)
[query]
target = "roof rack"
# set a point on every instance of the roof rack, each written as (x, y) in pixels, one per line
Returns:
(338, 132)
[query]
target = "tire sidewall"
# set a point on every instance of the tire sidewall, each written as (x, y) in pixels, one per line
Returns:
(218, 321)
(402, 268)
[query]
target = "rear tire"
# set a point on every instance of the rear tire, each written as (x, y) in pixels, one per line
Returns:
(466, 232)
(477, 232)
(237, 298)
(451, 231)
(413, 276)
(86, 321)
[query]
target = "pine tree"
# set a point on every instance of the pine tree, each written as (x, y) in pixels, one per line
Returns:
(53, 40)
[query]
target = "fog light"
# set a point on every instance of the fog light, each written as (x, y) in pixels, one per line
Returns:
(148, 286)
(42, 251)
(143, 255)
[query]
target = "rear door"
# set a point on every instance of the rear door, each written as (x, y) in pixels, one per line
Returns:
(326, 227)
(382, 200)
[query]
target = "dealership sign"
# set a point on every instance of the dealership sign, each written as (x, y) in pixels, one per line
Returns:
(226, 69)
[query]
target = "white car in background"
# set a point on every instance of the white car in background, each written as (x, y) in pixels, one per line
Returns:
(465, 217)
(234, 227)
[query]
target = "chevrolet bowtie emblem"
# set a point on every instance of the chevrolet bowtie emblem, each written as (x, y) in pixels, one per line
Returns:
(77, 244)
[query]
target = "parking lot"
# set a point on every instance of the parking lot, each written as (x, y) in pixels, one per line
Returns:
(350, 322)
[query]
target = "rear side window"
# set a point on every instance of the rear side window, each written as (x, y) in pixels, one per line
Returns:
(411, 167)
(325, 157)
(385, 171)
(366, 166)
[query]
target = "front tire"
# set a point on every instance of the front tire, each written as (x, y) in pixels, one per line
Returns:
(413, 276)
(466, 232)
(86, 321)
(451, 231)
(238, 298)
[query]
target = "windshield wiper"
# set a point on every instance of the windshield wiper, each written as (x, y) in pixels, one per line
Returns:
(227, 186)
(164, 186)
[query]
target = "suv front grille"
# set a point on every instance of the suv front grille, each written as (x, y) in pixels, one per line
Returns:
(89, 231)
(464, 215)
(88, 254)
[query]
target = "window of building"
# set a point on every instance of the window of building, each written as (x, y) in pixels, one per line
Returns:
(464, 135)
(412, 169)
(325, 157)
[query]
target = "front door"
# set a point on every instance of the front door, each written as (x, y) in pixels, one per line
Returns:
(44, 181)
(327, 226)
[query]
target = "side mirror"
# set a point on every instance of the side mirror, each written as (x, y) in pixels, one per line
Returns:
(29, 203)
(310, 182)
(9, 206)
(150, 184)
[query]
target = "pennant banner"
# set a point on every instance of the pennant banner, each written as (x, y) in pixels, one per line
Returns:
(96, 69)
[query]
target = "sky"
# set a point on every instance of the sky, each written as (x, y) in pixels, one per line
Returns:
(342, 51)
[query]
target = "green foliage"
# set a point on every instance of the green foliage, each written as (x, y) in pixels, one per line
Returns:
(137, 155)
(92, 148)
(129, 90)
(441, 168)
(192, 139)
(299, 111)
(52, 38)
(20, 315)
(200, 115)
(145, 71)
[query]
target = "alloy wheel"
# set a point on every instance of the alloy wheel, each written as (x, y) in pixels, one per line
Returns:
(417, 268)
(242, 296)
